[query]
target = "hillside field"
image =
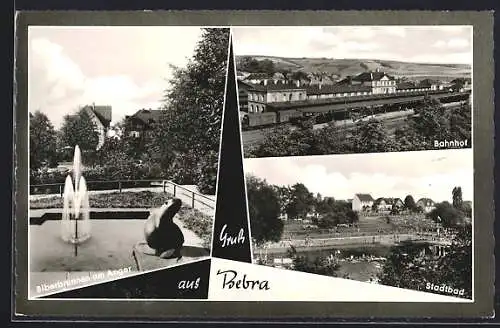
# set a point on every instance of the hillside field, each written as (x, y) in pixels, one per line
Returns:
(340, 68)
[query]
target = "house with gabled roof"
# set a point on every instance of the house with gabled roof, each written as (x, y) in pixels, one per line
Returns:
(101, 117)
(362, 202)
(379, 82)
(384, 204)
(142, 121)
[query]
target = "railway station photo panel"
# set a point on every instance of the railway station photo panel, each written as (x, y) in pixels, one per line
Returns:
(353, 89)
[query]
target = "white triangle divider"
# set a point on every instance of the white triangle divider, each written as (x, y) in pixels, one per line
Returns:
(237, 281)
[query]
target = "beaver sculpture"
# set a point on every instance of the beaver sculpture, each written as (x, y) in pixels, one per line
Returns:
(162, 234)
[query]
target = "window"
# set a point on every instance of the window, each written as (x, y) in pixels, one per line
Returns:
(251, 108)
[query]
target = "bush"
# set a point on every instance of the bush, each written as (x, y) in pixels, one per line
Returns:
(320, 265)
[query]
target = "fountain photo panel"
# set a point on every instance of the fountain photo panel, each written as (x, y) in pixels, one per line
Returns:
(396, 225)
(124, 153)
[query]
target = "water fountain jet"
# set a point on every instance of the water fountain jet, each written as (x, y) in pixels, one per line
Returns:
(75, 216)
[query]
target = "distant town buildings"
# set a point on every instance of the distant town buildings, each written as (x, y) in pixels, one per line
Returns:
(262, 92)
(366, 203)
(101, 117)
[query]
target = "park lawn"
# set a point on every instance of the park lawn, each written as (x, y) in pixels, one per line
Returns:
(194, 220)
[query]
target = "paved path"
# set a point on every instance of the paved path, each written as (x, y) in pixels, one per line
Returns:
(387, 239)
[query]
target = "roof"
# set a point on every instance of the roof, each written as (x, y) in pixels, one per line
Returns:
(336, 88)
(371, 76)
(103, 113)
(461, 80)
(406, 85)
(334, 104)
(148, 115)
(278, 75)
(388, 201)
(244, 85)
(252, 76)
(365, 197)
(428, 82)
(273, 87)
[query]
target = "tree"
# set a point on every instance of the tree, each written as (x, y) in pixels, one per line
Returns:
(284, 196)
(283, 141)
(264, 211)
(335, 212)
(300, 75)
(460, 123)
(408, 267)
(410, 203)
(429, 123)
(79, 129)
(325, 205)
(457, 198)
(253, 65)
(42, 141)
(371, 136)
(189, 131)
(330, 140)
(447, 215)
(405, 267)
(458, 261)
(301, 201)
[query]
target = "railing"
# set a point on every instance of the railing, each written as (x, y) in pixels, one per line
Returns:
(120, 185)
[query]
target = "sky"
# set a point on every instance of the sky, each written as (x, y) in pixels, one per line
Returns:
(432, 174)
(420, 44)
(125, 67)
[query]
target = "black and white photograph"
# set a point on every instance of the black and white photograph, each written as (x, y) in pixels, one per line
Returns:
(400, 219)
(124, 137)
(353, 89)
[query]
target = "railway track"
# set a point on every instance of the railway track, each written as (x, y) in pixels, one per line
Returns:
(392, 121)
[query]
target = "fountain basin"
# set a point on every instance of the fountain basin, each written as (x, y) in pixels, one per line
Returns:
(115, 233)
